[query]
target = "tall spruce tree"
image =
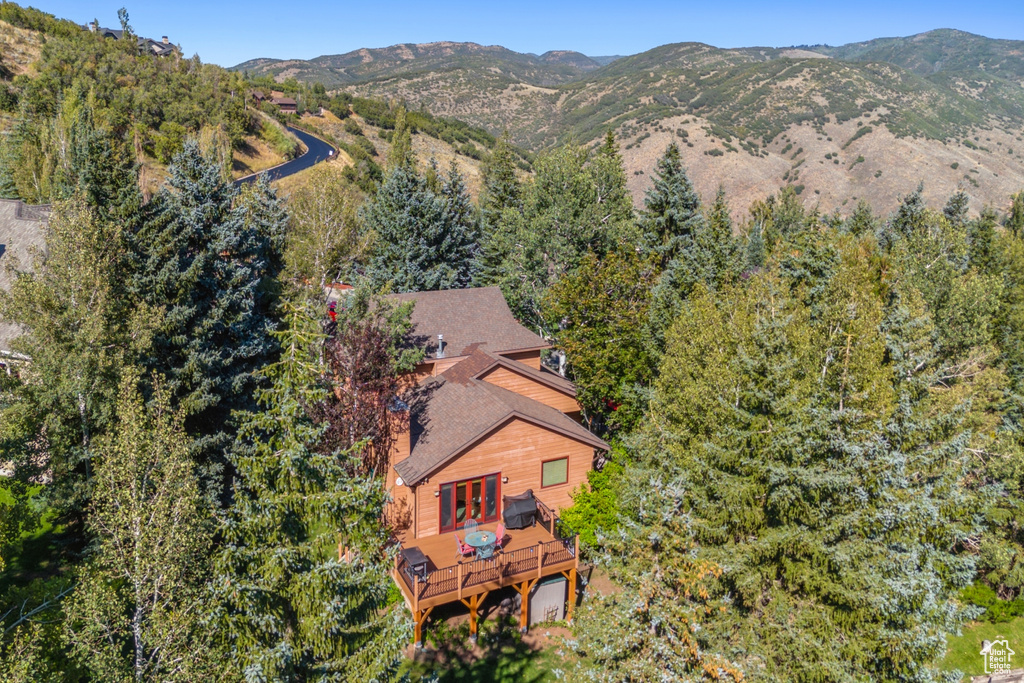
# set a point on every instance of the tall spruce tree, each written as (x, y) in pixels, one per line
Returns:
(422, 240)
(672, 213)
(501, 192)
(955, 210)
(204, 264)
(1015, 219)
(302, 578)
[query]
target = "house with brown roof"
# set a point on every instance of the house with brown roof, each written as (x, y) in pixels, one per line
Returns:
(485, 429)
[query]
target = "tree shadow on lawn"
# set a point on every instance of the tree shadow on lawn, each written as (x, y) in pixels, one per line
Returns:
(499, 656)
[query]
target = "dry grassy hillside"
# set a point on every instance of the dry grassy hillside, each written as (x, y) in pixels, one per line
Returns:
(877, 166)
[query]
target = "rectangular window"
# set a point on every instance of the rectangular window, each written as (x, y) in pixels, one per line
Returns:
(475, 499)
(554, 472)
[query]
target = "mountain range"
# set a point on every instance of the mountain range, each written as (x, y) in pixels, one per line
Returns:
(867, 120)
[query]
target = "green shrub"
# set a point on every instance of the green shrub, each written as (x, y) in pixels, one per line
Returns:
(278, 141)
(168, 141)
(596, 508)
(996, 611)
(352, 128)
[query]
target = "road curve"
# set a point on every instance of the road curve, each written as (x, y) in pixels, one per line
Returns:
(316, 151)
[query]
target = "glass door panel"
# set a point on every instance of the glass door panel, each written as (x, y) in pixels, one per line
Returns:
(446, 507)
(477, 502)
(460, 503)
(491, 497)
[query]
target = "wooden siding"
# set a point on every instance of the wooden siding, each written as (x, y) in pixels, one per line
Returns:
(516, 451)
(531, 358)
(531, 388)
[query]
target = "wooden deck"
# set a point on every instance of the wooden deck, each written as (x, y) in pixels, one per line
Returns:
(527, 556)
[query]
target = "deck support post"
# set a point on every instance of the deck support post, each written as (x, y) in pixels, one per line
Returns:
(473, 604)
(571, 576)
(524, 594)
(420, 617)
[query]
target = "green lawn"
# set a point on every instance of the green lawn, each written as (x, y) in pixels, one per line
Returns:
(964, 651)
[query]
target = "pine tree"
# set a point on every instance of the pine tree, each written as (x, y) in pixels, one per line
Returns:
(672, 213)
(501, 188)
(716, 258)
(909, 218)
(501, 192)
(811, 480)
(1015, 219)
(981, 242)
(861, 221)
(955, 210)
(302, 578)
(422, 241)
(203, 268)
(653, 629)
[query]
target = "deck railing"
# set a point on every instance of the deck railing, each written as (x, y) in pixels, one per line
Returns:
(499, 568)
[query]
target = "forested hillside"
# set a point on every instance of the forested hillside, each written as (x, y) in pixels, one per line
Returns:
(828, 121)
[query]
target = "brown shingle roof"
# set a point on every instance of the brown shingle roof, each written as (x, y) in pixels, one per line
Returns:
(466, 317)
(478, 363)
(454, 411)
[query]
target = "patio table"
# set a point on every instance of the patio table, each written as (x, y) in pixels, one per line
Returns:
(483, 541)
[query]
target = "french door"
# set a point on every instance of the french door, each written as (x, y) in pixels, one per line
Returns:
(461, 501)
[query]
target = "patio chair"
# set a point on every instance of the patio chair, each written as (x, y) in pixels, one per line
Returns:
(499, 536)
(463, 549)
(470, 527)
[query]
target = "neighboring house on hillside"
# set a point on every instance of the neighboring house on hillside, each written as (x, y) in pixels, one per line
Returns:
(285, 104)
(489, 440)
(163, 48)
(21, 232)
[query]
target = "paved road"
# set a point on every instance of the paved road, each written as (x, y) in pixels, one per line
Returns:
(316, 151)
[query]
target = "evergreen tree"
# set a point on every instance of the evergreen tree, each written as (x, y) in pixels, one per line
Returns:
(981, 242)
(955, 210)
(836, 520)
(302, 577)
(861, 221)
(909, 218)
(501, 191)
(716, 258)
(203, 269)
(1015, 219)
(756, 256)
(422, 241)
(501, 188)
(672, 213)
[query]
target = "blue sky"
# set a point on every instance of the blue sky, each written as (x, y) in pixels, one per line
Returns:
(229, 32)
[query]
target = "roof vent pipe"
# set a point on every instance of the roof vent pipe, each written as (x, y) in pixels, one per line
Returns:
(440, 346)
